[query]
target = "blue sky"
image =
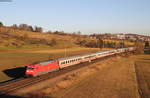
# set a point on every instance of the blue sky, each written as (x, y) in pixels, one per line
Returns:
(87, 16)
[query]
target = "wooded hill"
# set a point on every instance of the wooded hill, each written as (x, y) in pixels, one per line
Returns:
(17, 37)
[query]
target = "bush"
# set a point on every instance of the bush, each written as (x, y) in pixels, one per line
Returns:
(1, 24)
(139, 47)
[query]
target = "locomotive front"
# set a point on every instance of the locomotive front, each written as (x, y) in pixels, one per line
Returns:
(30, 71)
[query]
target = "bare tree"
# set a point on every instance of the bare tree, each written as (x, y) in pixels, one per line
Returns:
(100, 43)
(30, 28)
(38, 29)
(23, 27)
(139, 47)
(14, 26)
(147, 45)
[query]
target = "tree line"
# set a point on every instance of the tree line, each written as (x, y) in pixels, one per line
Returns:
(25, 27)
(99, 43)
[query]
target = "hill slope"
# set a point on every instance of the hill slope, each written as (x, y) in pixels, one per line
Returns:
(21, 39)
(15, 38)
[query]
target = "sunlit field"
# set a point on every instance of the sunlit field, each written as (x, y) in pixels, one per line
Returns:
(12, 59)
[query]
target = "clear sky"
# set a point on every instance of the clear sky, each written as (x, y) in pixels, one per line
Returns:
(87, 16)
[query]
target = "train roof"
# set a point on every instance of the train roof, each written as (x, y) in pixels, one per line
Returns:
(100, 52)
(46, 62)
(41, 63)
(83, 55)
(71, 57)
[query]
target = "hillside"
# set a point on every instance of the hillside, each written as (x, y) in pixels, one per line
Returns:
(15, 38)
(12, 38)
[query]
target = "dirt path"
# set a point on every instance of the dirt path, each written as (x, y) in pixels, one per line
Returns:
(117, 80)
(143, 78)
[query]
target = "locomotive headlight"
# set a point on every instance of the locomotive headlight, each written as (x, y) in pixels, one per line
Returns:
(29, 71)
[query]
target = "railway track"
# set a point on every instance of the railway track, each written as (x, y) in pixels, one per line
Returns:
(12, 86)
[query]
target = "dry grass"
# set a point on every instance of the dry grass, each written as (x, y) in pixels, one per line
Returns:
(10, 38)
(12, 58)
(116, 73)
(75, 78)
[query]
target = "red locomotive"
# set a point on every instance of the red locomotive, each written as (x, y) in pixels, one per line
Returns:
(41, 68)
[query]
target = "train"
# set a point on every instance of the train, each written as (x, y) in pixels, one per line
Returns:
(40, 68)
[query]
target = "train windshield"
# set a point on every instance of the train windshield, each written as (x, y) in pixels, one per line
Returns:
(30, 68)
